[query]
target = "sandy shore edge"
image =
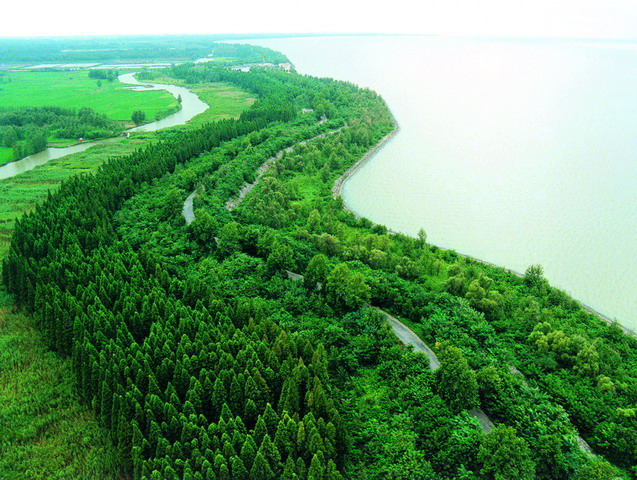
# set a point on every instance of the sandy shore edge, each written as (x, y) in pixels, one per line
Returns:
(337, 189)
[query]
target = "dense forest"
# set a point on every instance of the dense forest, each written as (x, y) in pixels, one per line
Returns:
(27, 129)
(249, 342)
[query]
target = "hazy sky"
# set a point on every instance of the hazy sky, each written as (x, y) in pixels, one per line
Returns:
(578, 18)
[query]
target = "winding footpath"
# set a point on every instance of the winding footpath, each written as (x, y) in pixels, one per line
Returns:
(188, 208)
(408, 337)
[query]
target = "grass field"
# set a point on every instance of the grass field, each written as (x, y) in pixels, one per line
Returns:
(75, 89)
(225, 100)
(6, 155)
(45, 431)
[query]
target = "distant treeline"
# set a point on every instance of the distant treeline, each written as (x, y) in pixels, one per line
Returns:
(103, 74)
(26, 129)
(248, 53)
(117, 49)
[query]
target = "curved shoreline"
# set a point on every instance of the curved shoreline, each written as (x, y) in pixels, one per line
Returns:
(337, 190)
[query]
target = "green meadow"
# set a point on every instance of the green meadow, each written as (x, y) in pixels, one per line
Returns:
(75, 89)
(6, 155)
(225, 100)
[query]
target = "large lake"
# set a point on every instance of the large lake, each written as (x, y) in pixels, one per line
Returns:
(515, 152)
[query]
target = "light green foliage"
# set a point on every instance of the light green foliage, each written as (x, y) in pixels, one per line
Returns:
(598, 469)
(587, 361)
(456, 281)
(457, 382)
(480, 295)
(505, 456)
(422, 237)
(573, 351)
(605, 384)
(534, 276)
(346, 290)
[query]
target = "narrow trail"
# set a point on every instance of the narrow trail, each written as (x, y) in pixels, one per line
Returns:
(188, 211)
(265, 166)
(188, 208)
(408, 337)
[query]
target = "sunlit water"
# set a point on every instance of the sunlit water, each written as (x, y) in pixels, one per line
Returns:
(515, 152)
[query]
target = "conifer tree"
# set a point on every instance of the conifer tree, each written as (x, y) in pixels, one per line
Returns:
(261, 469)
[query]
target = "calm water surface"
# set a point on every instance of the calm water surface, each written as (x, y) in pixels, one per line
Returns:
(515, 152)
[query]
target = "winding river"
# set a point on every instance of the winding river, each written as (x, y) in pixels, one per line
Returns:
(191, 105)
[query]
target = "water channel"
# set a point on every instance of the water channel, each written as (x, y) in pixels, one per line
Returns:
(191, 105)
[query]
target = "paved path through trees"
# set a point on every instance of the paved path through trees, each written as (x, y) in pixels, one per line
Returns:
(188, 209)
(408, 337)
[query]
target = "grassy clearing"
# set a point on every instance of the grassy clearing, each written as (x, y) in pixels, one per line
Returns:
(75, 89)
(6, 155)
(45, 432)
(225, 100)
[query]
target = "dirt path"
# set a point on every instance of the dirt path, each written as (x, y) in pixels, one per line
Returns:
(265, 166)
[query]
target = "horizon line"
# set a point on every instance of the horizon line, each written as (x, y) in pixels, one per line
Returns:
(263, 35)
